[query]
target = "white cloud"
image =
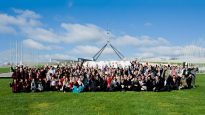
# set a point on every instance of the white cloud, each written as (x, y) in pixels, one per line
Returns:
(26, 13)
(27, 24)
(10, 20)
(36, 45)
(171, 51)
(160, 51)
(5, 20)
(6, 29)
(41, 34)
(72, 33)
(128, 40)
(23, 18)
(80, 33)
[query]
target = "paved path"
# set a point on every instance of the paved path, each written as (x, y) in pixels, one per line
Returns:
(6, 74)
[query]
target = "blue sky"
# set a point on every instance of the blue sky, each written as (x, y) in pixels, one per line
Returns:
(76, 28)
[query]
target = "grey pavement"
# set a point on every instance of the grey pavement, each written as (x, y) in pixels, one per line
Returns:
(5, 74)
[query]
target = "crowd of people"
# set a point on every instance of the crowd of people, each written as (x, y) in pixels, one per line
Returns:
(77, 78)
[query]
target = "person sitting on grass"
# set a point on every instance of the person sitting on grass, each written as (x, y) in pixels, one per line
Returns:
(20, 85)
(66, 85)
(59, 85)
(174, 82)
(157, 84)
(103, 84)
(143, 83)
(135, 84)
(129, 83)
(53, 84)
(33, 85)
(123, 84)
(75, 86)
(183, 83)
(114, 85)
(80, 85)
(149, 82)
(86, 81)
(40, 85)
(26, 85)
(98, 82)
(92, 84)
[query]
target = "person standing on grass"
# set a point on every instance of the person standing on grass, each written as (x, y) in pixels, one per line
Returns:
(193, 73)
(14, 86)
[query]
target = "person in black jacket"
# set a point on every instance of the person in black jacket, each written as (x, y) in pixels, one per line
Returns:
(175, 82)
(157, 84)
(135, 84)
(149, 83)
(103, 84)
(187, 75)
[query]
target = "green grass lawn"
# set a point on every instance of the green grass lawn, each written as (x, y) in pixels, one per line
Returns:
(4, 69)
(182, 102)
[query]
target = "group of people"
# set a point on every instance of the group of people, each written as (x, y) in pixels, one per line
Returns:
(77, 78)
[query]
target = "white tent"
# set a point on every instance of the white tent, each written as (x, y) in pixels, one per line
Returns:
(102, 64)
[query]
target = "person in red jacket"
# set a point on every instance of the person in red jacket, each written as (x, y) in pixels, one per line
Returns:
(14, 86)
